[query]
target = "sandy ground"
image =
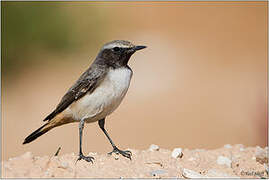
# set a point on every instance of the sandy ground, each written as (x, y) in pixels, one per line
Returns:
(155, 162)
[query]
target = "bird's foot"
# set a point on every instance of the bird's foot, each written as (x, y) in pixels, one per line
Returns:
(86, 158)
(126, 154)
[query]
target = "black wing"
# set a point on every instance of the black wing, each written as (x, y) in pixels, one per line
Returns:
(87, 82)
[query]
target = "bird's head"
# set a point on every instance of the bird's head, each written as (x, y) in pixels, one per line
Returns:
(117, 53)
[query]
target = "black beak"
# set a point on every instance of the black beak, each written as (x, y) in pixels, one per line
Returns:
(136, 48)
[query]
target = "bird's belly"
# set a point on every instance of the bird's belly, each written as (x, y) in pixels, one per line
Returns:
(104, 99)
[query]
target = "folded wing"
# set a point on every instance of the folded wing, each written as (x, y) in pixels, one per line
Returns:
(87, 83)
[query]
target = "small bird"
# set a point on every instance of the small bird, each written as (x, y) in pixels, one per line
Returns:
(95, 95)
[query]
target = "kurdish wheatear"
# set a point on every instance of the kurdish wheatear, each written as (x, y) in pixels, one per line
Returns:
(96, 94)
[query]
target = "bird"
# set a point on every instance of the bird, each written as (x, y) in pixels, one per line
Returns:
(95, 95)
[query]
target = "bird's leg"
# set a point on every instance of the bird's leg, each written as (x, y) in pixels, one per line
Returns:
(81, 156)
(126, 154)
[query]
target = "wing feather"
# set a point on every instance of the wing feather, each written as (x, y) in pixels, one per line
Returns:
(87, 83)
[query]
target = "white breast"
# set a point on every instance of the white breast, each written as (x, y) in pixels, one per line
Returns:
(105, 98)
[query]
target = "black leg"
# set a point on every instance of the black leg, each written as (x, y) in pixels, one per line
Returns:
(126, 154)
(81, 156)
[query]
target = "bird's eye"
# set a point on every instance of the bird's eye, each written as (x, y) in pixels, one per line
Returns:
(116, 49)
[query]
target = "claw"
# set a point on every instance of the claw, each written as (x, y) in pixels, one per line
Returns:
(86, 158)
(126, 154)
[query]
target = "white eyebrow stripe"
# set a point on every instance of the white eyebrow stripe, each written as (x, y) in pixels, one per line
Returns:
(110, 46)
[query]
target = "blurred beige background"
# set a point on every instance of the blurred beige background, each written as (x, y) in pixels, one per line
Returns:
(201, 83)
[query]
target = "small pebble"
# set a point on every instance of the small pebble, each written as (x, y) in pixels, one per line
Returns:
(177, 153)
(48, 173)
(187, 173)
(235, 157)
(64, 165)
(224, 160)
(261, 155)
(158, 172)
(239, 146)
(154, 147)
(27, 155)
(228, 146)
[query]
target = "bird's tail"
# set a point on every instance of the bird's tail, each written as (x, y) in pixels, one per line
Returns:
(40, 131)
(58, 120)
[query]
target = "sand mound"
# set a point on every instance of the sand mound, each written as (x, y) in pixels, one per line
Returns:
(229, 161)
